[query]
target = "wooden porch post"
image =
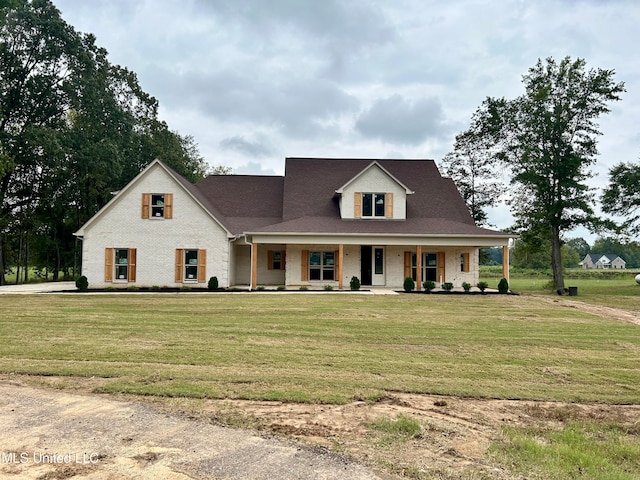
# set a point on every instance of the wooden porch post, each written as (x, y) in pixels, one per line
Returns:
(340, 261)
(418, 267)
(254, 266)
(505, 262)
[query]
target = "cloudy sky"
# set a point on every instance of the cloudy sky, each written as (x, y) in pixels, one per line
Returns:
(255, 81)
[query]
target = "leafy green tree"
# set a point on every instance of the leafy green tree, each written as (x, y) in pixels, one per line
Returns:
(622, 196)
(580, 245)
(547, 137)
(472, 167)
(73, 129)
(38, 53)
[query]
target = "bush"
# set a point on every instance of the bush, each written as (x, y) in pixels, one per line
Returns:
(328, 288)
(281, 288)
(447, 286)
(213, 283)
(482, 286)
(354, 284)
(466, 286)
(503, 286)
(304, 288)
(429, 285)
(82, 283)
(409, 284)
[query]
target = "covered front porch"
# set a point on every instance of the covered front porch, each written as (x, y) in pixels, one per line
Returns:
(379, 262)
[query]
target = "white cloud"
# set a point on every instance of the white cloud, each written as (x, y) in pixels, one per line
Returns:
(254, 81)
(398, 120)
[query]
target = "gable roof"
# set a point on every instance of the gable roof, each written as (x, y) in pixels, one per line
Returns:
(188, 187)
(305, 200)
(596, 257)
(375, 164)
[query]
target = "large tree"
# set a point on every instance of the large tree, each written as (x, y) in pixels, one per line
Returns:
(471, 165)
(622, 196)
(73, 129)
(547, 138)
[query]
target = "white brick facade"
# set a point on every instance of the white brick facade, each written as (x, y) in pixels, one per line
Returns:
(120, 225)
(241, 258)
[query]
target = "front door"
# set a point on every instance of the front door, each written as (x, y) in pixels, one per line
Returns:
(366, 272)
(372, 265)
(378, 266)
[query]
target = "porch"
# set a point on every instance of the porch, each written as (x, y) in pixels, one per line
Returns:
(316, 265)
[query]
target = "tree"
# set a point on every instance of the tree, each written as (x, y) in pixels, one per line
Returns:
(622, 196)
(221, 170)
(472, 167)
(73, 129)
(547, 138)
(580, 245)
(38, 55)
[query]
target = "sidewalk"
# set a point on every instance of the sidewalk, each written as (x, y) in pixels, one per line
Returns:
(37, 287)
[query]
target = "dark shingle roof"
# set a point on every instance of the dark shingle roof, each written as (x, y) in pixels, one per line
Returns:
(310, 185)
(305, 200)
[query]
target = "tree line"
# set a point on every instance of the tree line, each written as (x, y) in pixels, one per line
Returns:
(74, 128)
(545, 141)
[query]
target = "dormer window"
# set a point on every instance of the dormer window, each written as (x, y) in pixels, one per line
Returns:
(373, 204)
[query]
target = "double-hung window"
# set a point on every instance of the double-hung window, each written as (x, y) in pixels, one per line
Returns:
(321, 265)
(190, 265)
(157, 206)
(120, 265)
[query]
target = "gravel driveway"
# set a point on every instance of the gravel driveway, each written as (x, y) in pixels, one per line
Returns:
(50, 435)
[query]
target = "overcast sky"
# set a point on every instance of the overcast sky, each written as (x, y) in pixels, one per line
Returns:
(255, 81)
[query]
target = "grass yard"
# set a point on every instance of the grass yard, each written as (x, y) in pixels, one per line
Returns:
(323, 349)
(334, 349)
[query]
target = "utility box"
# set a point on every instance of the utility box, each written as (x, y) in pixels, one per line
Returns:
(573, 291)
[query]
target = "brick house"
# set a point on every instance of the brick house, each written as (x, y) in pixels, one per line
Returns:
(323, 222)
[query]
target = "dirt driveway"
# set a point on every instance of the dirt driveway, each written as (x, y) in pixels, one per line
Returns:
(48, 434)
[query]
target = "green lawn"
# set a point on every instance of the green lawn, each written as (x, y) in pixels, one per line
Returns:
(323, 348)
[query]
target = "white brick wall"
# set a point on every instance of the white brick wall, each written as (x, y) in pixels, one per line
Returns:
(121, 226)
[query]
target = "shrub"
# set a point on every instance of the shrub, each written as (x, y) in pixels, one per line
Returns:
(213, 283)
(304, 288)
(503, 286)
(281, 288)
(482, 286)
(260, 288)
(82, 283)
(409, 284)
(328, 288)
(466, 286)
(155, 287)
(429, 285)
(447, 286)
(133, 288)
(354, 284)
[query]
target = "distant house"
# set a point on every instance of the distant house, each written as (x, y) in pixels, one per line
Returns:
(605, 261)
(323, 222)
